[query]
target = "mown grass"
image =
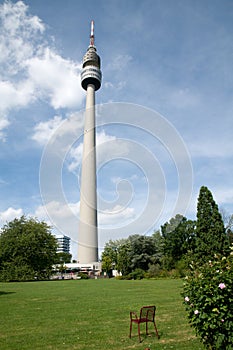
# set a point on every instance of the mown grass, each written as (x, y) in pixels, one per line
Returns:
(91, 314)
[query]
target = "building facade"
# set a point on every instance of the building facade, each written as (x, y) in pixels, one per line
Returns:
(63, 244)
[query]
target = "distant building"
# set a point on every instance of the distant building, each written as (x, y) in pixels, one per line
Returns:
(63, 244)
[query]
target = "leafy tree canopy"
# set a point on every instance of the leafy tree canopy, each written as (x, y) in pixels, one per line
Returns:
(178, 236)
(63, 258)
(27, 250)
(127, 255)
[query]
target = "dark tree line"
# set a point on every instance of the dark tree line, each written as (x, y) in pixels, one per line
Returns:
(180, 242)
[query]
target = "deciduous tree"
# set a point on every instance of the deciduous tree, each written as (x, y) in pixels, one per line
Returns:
(63, 258)
(111, 256)
(27, 250)
(178, 236)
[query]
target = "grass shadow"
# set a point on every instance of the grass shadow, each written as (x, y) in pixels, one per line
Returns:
(4, 293)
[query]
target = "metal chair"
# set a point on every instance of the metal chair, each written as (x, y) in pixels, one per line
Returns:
(147, 314)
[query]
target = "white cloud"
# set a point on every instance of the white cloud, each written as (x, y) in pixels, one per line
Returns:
(76, 157)
(76, 152)
(102, 137)
(44, 130)
(19, 36)
(113, 216)
(116, 86)
(10, 214)
(15, 95)
(58, 129)
(57, 78)
(57, 211)
(30, 69)
(63, 219)
(120, 62)
(134, 177)
(108, 84)
(17, 12)
(3, 124)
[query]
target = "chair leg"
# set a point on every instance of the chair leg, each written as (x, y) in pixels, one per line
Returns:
(130, 329)
(146, 328)
(139, 335)
(156, 330)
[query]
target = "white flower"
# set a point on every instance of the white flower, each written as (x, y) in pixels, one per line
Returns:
(222, 285)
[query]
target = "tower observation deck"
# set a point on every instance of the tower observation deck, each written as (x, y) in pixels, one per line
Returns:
(88, 232)
(91, 73)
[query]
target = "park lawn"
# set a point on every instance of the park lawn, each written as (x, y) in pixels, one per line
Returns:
(91, 314)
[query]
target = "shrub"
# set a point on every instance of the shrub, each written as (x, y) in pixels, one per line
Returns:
(208, 299)
(182, 267)
(125, 277)
(137, 274)
(153, 271)
(83, 275)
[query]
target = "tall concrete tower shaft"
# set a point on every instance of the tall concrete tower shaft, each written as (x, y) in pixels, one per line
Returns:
(88, 228)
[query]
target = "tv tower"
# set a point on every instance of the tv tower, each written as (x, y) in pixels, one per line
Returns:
(88, 232)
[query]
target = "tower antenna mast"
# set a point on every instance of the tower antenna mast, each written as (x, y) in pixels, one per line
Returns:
(92, 37)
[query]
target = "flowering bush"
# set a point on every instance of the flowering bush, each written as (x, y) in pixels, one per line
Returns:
(208, 299)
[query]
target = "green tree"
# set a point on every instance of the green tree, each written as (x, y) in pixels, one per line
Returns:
(210, 234)
(142, 252)
(111, 256)
(124, 261)
(63, 258)
(27, 250)
(135, 252)
(107, 264)
(230, 235)
(178, 236)
(159, 243)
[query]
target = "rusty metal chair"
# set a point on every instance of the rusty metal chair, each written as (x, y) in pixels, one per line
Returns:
(147, 314)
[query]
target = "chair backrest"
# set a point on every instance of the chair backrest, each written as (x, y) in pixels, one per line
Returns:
(148, 313)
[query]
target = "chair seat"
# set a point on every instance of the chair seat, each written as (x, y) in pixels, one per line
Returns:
(138, 320)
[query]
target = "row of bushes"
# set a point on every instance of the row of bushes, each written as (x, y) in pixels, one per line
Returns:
(139, 274)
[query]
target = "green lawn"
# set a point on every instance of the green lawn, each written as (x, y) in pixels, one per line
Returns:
(91, 314)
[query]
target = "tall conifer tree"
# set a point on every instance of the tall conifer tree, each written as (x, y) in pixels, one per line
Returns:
(210, 232)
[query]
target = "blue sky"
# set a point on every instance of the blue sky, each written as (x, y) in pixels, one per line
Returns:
(168, 63)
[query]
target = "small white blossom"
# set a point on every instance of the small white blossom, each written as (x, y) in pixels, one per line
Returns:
(222, 285)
